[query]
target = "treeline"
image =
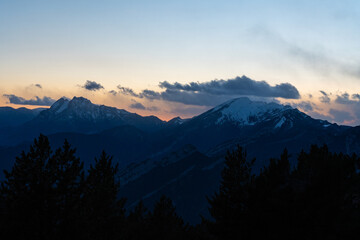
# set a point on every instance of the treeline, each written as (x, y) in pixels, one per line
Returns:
(49, 195)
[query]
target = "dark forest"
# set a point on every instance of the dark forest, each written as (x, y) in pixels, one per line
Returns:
(50, 195)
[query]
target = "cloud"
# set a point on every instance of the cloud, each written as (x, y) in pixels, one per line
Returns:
(45, 101)
(237, 86)
(318, 115)
(92, 86)
(352, 103)
(137, 105)
(152, 108)
(322, 63)
(341, 116)
(214, 92)
(304, 105)
(314, 58)
(356, 96)
(113, 92)
(324, 98)
(127, 91)
(345, 99)
(189, 111)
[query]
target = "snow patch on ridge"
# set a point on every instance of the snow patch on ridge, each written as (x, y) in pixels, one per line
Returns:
(62, 107)
(280, 123)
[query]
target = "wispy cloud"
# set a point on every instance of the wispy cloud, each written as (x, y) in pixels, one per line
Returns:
(140, 106)
(45, 101)
(341, 108)
(324, 98)
(137, 105)
(128, 91)
(113, 92)
(317, 59)
(306, 106)
(341, 116)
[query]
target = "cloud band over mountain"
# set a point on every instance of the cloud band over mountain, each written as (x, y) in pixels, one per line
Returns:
(210, 93)
(38, 101)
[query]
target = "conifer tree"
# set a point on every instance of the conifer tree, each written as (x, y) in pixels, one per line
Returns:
(103, 211)
(25, 192)
(228, 206)
(41, 193)
(164, 223)
(136, 223)
(68, 180)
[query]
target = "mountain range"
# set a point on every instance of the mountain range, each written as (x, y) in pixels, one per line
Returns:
(181, 158)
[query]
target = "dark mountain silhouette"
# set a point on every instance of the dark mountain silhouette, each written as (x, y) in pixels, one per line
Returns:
(180, 158)
(10, 117)
(78, 115)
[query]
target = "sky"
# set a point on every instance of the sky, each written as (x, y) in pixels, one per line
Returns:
(180, 58)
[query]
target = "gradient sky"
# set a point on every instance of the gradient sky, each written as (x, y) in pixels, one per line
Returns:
(60, 44)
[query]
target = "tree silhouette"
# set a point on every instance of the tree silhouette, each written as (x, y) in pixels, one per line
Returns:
(42, 192)
(164, 223)
(68, 180)
(26, 192)
(136, 223)
(103, 210)
(229, 205)
(319, 199)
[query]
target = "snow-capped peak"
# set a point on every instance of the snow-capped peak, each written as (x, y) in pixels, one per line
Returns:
(80, 101)
(82, 108)
(60, 105)
(245, 111)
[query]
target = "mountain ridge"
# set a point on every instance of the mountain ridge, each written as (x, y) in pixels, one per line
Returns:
(183, 157)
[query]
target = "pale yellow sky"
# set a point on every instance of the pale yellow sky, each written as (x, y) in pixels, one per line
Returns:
(137, 44)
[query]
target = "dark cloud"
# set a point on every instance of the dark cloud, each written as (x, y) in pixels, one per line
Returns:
(92, 86)
(38, 85)
(214, 92)
(45, 101)
(341, 116)
(237, 86)
(325, 97)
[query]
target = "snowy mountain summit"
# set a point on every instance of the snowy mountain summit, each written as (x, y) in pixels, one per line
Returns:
(244, 112)
(81, 115)
(84, 109)
(247, 112)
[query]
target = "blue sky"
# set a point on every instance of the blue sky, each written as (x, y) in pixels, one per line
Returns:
(313, 45)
